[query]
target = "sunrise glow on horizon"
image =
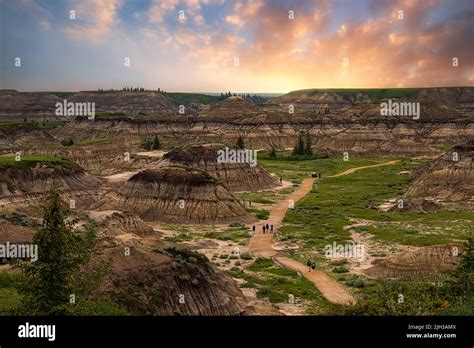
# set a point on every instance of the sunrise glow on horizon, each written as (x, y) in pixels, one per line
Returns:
(239, 46)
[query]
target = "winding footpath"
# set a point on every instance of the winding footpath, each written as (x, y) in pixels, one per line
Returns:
(262, 244)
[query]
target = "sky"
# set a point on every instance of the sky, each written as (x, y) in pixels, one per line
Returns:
(239, 46)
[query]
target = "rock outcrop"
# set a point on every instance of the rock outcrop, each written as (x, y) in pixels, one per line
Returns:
(130, 103)
(23, 184)
(236, 176)
(169, 281)
(32, 175)
(423, 261)
(449, 180)
(176, 195)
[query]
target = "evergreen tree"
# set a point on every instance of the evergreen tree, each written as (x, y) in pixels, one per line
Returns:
(299, 147)
(156, 143)
(61, 252)
(308, 151)
(273, 153)
(240, 143)
(460, 285)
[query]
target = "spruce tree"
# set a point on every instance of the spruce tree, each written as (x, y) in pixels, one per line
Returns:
(156, 143)
(273, 153)
(61, 252)
(299, 147)
(308, 151)
(240, 143)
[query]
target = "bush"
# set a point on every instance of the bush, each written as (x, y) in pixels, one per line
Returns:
(355, 282)
(341, 269)
(246, 256)
(339, 262)
(67, 142)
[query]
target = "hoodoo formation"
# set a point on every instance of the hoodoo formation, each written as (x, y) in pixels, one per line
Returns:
(33, 175)
(423, 261)
(231, 107)
(236, 176)
(129, 102)
(23, 183)
(449, 180)
(176, 195)
(169, 282)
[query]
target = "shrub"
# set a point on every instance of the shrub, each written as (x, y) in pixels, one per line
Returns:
(67, 142)
(341, 269)
(246, 256)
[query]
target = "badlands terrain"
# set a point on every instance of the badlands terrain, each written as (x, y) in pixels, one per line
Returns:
(399, 188)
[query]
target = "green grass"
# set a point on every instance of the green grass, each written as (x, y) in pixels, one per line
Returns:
(6, 123)
(298, 170)
(375, 93)
(186, 98)
(93, 140)
(259, 213)
(51, 124)
(182, 237)
(232, 234)
(276, 284)
(62, 95)
(29, 161)
(10, 301)
(258, 197)
(319, 218)
(34, 123)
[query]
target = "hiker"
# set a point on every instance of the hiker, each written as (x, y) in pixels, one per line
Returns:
(313, 265)
(319, 175)
(263, 229)
(267, 227)
(281, 180)
(271, 228)
(308, 263)
(253, 229)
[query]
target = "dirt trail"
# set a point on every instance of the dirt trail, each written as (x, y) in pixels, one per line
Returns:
(261, 243)
(352, 170)
(328, 287)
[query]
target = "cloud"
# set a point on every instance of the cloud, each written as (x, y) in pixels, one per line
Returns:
(94, 19)
(277, 53)
(41, 14)
(159, 9)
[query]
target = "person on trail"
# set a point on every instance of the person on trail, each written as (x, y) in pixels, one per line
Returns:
(253, 229)
(319, 175)
(313, 265)
(308, 263)
(267, 227)
(263, 229)
(281, 180)
(271, 228)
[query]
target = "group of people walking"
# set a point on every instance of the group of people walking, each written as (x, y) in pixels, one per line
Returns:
(311, 265)
(265, 228)
(316, 175)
